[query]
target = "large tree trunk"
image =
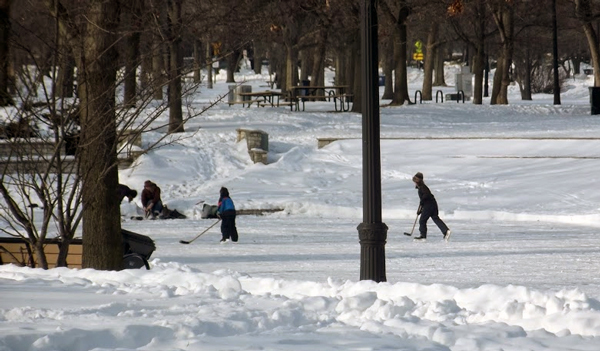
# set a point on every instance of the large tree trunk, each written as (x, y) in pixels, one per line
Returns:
(400, 57)
(478, 67)
(197, 61)
(354, 78)
(132, 51)
(232, 65)
(66, 64)
(176, 61)
(387, 60)
(102, 241)
(479, 59)
(290, 39)
(592, 39)
(439, 80)
(94, 49)
(5, 98)
(503, 15)
(429, 60)
(305, 66)
(157, 24)
(318, 67)
(157, 68)
(209, 67)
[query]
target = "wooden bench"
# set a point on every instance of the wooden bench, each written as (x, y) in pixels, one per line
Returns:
(246, 102)
(17, 251)
(342, 99)
(137, 249)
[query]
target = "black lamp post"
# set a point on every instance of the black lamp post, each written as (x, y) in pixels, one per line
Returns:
(372, 233)
(556, 82)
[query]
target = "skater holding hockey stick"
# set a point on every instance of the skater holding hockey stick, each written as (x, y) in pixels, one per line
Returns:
(428, 208)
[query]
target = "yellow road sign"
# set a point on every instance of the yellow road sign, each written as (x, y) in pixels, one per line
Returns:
(418, 56)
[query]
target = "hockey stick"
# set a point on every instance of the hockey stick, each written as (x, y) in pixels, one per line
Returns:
(414, 224)
(199, 235)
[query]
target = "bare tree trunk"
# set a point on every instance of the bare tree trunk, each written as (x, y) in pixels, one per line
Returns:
(5, 98)
(503, 15)
(400, 57)
(157, 69)
(176, 61)
(354, 78)
(197, 61)
(290, 39)
(439, 79)
(209, 68)
(429, 60)
(232, 66)
(592, 39)
(157, 25)
(258, 55)
(479, 58)
(387, 58)
(102, 241)
(146, 63)
(304, 65)
(66, 63)
(318, 67)
(478, 67)
(497, 81)
(132, 52)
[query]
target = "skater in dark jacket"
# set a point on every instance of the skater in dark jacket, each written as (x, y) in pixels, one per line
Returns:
(428, 208)
(226, 211)
(125, 191)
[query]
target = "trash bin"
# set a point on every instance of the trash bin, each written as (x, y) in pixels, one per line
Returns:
(381, 81)
(243, 89)
(595, 100)
(232, 96)
(234, 93)
(137, 249)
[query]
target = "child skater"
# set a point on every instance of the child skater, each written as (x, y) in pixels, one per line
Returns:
(226, 211)
(428, 208)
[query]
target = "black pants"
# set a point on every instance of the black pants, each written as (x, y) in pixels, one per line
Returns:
(228, 229)
(430, 210)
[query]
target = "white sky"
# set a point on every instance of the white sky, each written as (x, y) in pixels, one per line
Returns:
(520, 271)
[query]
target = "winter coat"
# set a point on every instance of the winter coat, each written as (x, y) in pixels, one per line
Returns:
(122, 191)
(425, 196)
(225, 204)
(150, 195)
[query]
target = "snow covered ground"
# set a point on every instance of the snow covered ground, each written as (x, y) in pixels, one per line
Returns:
(517, 185)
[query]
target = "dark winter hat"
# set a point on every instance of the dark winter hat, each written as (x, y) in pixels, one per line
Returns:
(418, 177)
(131, 194)
(224, 192)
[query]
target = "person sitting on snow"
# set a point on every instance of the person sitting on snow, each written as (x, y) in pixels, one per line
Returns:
(151, 201)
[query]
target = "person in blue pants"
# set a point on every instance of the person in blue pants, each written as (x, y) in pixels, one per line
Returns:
(428, 208)
(226, 211)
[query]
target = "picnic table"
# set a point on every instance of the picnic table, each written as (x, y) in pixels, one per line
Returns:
(337, 93)
(261, 98)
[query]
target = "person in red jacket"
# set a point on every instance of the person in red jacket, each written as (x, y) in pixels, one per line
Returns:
(151, 200)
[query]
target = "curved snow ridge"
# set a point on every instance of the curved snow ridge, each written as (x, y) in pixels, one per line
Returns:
(438, 312)
(592, 220)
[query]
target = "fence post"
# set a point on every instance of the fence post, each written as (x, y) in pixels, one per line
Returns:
(441, 94)
(460, 92)
(418, 92)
